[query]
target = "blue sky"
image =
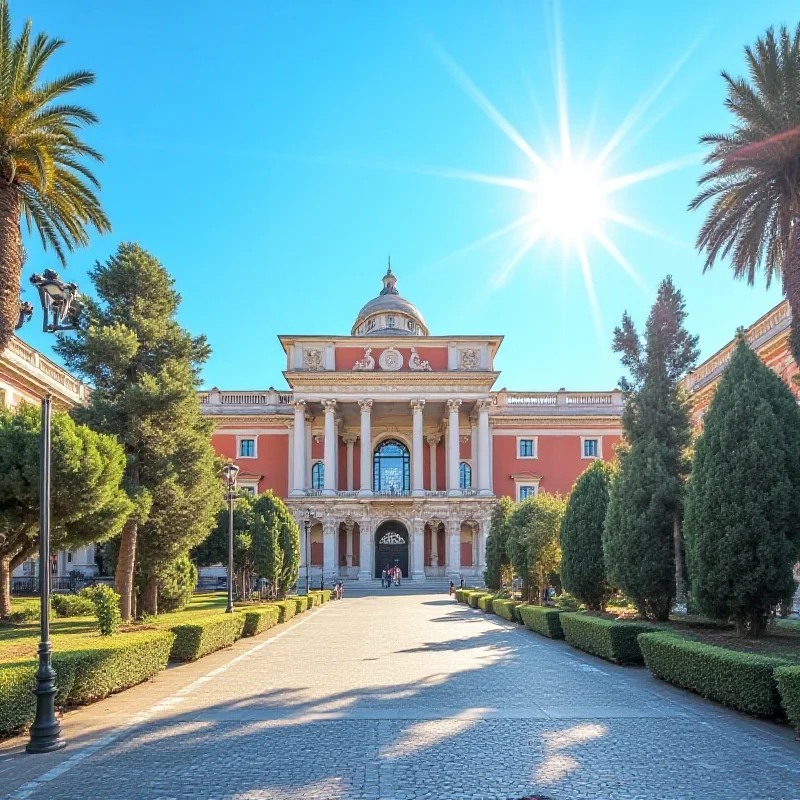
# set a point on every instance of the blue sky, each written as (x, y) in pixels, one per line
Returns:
(273, 154)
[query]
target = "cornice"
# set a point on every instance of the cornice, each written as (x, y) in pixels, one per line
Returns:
(481, 379)
(278, 421)
(557, 421)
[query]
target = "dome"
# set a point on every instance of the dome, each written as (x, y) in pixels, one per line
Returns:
(389, 314)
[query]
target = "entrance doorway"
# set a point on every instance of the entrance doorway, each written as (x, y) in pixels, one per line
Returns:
(391, 547)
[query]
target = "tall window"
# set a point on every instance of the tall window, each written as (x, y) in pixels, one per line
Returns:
(590, 448)
(465, 475)
(247, 448)
(526, 448)
(390, 465)
(527, 491)
(318, 475)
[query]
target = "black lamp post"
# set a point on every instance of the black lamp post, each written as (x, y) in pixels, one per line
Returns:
(307, 526)
(61, 308)
(230, 471)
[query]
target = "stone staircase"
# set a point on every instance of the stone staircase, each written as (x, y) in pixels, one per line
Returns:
(407, 586)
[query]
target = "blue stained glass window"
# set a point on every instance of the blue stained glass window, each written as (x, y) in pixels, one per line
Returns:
(391, 467)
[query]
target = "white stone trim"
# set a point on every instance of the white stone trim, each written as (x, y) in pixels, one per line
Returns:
(247, 437)
(599, 440)
(527, 437)
(529, 433)
(520, 482)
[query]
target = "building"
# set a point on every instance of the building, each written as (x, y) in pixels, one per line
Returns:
(25, 376)
(395, 446)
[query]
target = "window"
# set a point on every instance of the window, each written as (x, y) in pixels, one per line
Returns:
(69, 558)
(251, 490)
(526, 448)
(465, 476)
(526, 492)
(390, 465)
(370, 324)
(318, 475)
(590, 448)
(389, 321)
(410, 325)
(247, 448)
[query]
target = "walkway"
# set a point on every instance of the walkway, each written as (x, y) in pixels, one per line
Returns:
(405, 697)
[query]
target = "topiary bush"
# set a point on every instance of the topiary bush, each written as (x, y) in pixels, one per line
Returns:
(485, 603)
(505, 608)
(259, 619)
(541, 619)
(106, 607)
(72, 605)
(286, 609)
(474, 596)
(788, 680)
(323, 595)
(744, 681)
(611, 639)
(176, 584)
(461, 595)
(302, 603)
(205, 635)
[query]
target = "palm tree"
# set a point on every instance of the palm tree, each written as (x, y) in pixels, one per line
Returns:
(755, 179)
(42, 174)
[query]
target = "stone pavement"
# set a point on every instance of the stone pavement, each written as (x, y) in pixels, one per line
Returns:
(404, 697)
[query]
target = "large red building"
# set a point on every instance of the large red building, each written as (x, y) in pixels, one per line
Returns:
(395, 445)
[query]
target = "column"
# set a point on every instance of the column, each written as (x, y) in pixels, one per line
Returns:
(434, 543)
(366, 448)
(365, 544)
(432, 442)
(350, 440)
(329, 530)
(418, 546)
(484, 443)
(330, 446)
(417, 488)
(299, 482)
(348, 525)
(454, 542)
(453, 443)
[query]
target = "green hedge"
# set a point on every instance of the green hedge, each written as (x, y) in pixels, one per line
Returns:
(259, 619)
(485, 603)
(611, 639)
(204, 635)
(788, 680)
(542, 619)
(91, 669)
(506, 608)
(324, 595)
(313, 600)
(461, 595)
(286, 609)
(744, 681)
(72, 605)
(474, 596)
(300, 603)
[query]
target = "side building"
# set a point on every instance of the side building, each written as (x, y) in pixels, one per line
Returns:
(394, 446)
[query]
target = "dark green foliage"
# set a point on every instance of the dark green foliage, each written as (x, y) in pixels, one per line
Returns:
(257, 619)
(611, 639)
(647, 495)
(542, 620)
(287, 609)
(176, 584)
(743, 502)
(583, 571)
(72, 605)
(498, 562)
(744, 681)
(106, 607)
(505, 609)
(788, 680)
(204, 635)
(214, 549)
(276, 542)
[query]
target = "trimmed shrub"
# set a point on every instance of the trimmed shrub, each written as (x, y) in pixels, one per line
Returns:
(505, 608)
(485, 603)
(72, 605)
(286, 609)
(744, 681)
(106, 607)
(324, 595)
(461, 595)
(258, 619)
(176, 584)
(474, 596)
(313, 600)
(541, 619)
(788, 680)
(205, 635)
(301, 603)
(611, 639)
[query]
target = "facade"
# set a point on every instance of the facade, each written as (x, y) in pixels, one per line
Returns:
(25, 376)
(395, 446)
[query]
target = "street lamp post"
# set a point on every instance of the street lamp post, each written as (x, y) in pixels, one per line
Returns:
(307, 526)
(230, 471)
(61, 307)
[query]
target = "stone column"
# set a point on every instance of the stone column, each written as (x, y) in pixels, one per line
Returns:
(299, 481)
(366, 448)
(453, 444)
(432, 442)
(350, 440)
(417, 488)
(329, 530)
(365, 545)
(348, 525)
(484, 440)
(418, 546)
(454, 542)
(434, 543)
(330, 447)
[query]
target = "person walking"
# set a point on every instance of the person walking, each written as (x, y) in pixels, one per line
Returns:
(383, 578)
(452, 588)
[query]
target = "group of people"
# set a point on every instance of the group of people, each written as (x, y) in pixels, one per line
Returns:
(391, 575)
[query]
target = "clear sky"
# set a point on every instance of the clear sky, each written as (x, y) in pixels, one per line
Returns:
(272, 154)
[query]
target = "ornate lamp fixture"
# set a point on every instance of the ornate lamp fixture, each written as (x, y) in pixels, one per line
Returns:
(60, 302)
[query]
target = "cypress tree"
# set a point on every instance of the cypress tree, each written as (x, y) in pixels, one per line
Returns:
(145, 371)
(743, 500)
(498, 564)
(275, 542)
(641, 541)
(583, 570)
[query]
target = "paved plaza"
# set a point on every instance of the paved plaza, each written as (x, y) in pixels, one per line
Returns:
(405, 697)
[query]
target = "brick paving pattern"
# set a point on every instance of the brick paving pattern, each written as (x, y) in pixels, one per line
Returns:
(404, 698)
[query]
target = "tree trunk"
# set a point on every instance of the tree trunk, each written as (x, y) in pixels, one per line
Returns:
(11, 257)
(5, 586)
(790, 275)
(150, 596)
(680, 589)
(126, 562)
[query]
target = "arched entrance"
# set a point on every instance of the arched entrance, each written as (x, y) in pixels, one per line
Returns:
(391, 547)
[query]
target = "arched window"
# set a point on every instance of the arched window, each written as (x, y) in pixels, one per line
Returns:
(465, 476)
(318, 475)
(390, 467)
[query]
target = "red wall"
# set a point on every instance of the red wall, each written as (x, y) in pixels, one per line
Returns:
(272, 461)
(559, 462)
(347, 356)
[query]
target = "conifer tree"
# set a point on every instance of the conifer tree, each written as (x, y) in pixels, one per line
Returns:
(498, 564)
(275, 542)
(743, 500)
(145, 371)
(582, 564)
(641, 543)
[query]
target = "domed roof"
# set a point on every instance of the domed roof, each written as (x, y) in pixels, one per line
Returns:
(390, 302)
